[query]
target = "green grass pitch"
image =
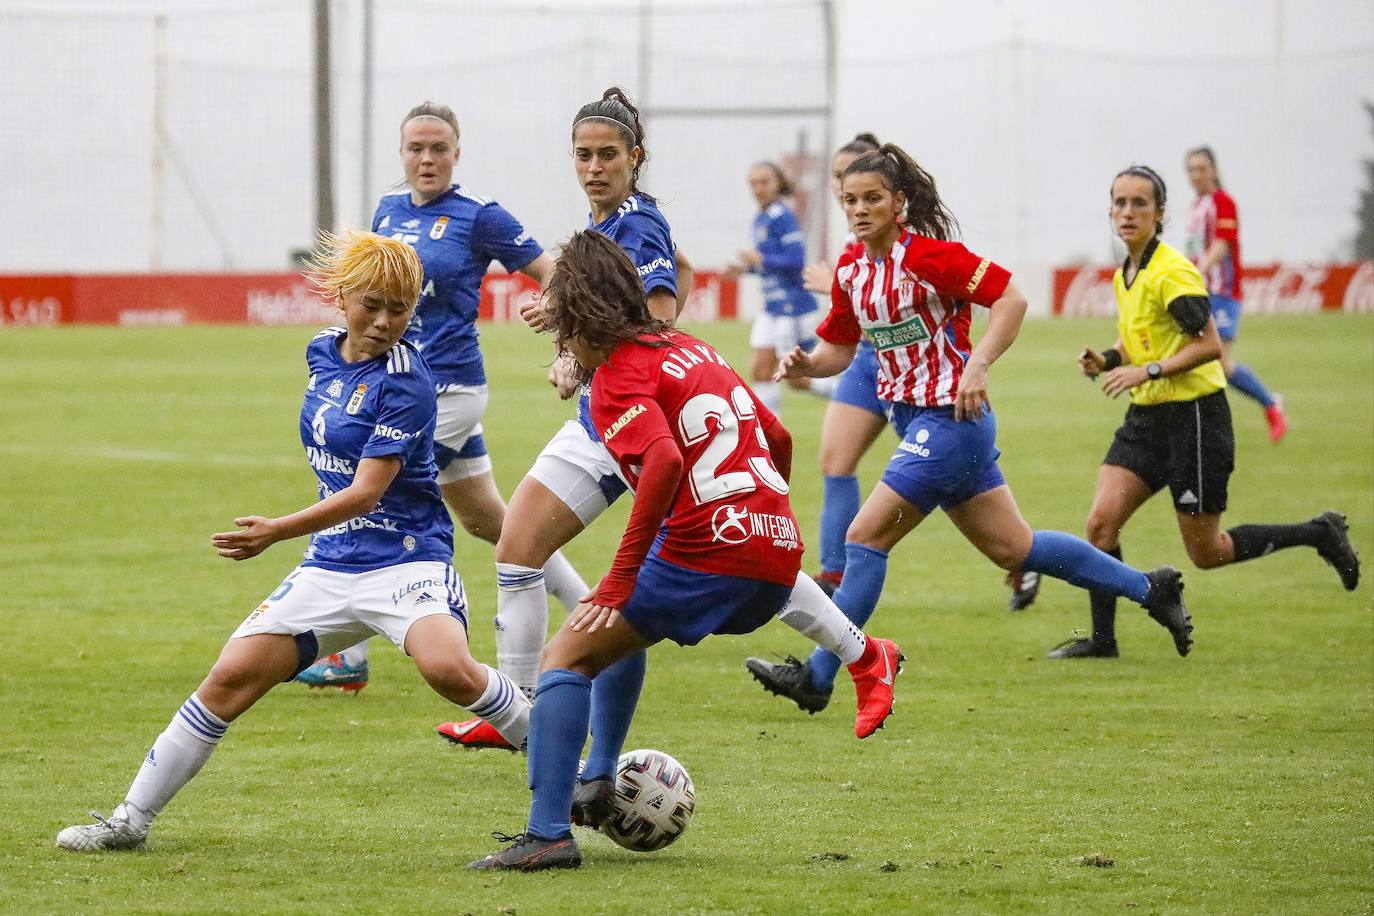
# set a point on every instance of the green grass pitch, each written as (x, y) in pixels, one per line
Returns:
(1236, 780)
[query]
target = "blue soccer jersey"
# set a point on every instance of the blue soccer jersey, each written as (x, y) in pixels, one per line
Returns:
(640, 228)
(370, 409)
(457, 235)
(779, 240)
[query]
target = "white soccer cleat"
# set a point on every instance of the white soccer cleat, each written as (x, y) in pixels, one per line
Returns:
(114, 833)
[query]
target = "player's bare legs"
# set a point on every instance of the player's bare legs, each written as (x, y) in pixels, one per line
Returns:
(477, 505)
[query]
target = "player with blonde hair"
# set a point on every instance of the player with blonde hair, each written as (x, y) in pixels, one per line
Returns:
(378, 560)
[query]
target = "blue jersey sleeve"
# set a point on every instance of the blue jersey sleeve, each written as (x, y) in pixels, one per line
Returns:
(498, 236)
(784, 247)
(405, 409)
(650, 247)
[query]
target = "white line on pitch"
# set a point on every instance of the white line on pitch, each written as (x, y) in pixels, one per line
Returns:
(133, 454)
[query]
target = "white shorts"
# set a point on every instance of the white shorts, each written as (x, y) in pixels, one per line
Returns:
(459, 449)
(579, 471)
(783, 332)
(329, 611)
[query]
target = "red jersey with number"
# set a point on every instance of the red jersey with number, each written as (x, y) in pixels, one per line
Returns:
(730, 515)
(1214, 217)
(913, 306)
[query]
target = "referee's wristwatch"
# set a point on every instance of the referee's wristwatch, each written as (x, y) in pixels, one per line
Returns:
(1154, 370)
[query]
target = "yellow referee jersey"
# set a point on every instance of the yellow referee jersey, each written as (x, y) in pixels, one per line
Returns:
(1150, 334)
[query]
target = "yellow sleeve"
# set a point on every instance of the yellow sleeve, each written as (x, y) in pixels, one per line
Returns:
(1180, 278)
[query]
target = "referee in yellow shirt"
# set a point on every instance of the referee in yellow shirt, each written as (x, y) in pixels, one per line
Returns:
(1177, 431)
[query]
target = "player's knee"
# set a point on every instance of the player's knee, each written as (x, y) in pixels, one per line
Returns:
(1006, 553)
(1101, 531)
(1206, 554)
(482, 522)
(460, 678)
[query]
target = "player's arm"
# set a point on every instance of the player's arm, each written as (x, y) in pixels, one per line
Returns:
(779, 446)
(539, 270)
(686, 276)
(1214, 254)
(1193, 314)
(1092, 363)
(257, 533)
(1007, 312)
(839, 339)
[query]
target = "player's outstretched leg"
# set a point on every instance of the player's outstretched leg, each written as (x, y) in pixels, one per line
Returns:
(873, 663)
(615, 695)
(346, 670)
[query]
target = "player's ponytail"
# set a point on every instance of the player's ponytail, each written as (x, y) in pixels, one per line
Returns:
(1157, 183)
(595, 295)
(925, 213)
(615, 108)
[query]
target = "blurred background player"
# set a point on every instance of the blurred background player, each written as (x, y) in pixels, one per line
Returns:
(1214, 246)
(1177, 431)
(711, 545)
(574, 478)
(457, 234)
(910, 290)
(790, 313)
(367, 426)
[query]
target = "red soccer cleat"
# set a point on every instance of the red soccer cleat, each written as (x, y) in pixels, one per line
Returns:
(873, 677)
(476, 734)
(1277, 419)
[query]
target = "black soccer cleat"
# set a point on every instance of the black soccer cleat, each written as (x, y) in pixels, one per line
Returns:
(1083, 647)
(791, 679)
(593, 802)
(1025, 588)
(530, 853)
(1166, 608)
(1335, 548)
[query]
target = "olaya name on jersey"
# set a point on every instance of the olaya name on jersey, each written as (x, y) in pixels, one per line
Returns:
(677, 362)
(734, 525)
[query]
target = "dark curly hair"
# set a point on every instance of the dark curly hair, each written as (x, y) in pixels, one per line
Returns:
(595, 294)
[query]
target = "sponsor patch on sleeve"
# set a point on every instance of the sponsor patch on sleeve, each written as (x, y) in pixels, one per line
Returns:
(622, 421)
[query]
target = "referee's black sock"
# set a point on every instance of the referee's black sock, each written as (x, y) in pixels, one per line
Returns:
(1104, 611)
(1250, 541)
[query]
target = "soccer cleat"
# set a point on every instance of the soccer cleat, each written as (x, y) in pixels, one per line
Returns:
(829, 582)
(593, 802)
(1335, 549)
(114, 833)
(873, 686)
(791, 679)
(1025, 587)
(1166, 606)
(1083, 647)
(475, 734)
(530, 853)
(332, 671)
(1277, 419)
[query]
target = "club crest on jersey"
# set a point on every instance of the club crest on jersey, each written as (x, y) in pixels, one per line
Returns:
(355, 403)
(335, 389)
(436, 232)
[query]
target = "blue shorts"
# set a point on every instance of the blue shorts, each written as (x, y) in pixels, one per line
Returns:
(858, 385)
(940, 461)
(686, 606)
(1226, 313)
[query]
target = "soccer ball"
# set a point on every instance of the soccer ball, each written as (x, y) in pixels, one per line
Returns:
(654, 801)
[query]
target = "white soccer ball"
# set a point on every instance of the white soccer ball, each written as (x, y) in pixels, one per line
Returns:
(654, 801)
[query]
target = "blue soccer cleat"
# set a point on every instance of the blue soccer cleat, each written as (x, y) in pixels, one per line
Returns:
(333, 671)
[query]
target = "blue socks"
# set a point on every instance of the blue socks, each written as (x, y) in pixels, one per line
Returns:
(615, 694)
(1054, 553)
(864, 572)
(558, 728)
(839, 504)
(1246, 382)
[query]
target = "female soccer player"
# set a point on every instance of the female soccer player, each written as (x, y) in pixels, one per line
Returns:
(574, 479)
(711, 545)
(457, 234)
(1178, 428)
(790, 313)
(1214, 246)
(380, 546)
(909, 290)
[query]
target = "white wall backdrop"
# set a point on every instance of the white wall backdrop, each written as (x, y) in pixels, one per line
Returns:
(1023, 111)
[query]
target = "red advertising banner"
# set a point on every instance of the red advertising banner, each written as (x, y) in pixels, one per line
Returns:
(1086, 292)
(261, 299)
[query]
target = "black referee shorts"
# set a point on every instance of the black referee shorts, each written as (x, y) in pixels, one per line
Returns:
(1187, 445)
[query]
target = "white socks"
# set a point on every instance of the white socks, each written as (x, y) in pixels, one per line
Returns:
(770, 395)
(811, 613)
(505, 707)
(355, 656)
(823, 387)
(522, 622)
(177, 755)
(563, 582)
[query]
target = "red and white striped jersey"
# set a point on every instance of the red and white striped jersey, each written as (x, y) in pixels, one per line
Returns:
(913, 305)
(1213, 217)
